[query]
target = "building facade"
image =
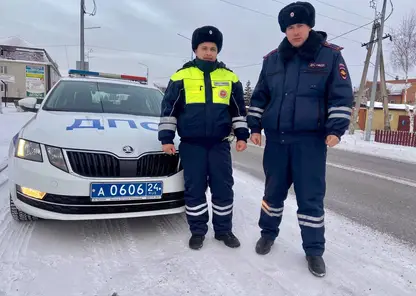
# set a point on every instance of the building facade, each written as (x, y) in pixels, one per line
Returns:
(32, 69)
(396, 91)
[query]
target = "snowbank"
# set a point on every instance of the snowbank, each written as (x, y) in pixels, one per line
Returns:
(356, 143)
(11, 122)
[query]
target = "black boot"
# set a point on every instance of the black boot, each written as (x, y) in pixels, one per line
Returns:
(196, 241)
(229, 239)
(316, 265)
(264, 245)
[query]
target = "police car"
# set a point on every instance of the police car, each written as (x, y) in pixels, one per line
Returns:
(91, 152)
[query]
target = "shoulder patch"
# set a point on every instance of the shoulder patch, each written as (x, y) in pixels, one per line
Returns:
(333, 46)
(343, 71)
(270, 53)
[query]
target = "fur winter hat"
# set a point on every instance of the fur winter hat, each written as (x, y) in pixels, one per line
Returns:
(297, 13)
(207, 34)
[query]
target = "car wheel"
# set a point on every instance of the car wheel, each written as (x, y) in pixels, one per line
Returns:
(18, 215)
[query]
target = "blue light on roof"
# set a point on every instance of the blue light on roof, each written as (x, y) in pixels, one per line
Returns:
(82, 72)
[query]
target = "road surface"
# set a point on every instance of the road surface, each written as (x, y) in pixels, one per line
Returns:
(376, 192)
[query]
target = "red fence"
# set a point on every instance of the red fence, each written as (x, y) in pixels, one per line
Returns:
(395, 138)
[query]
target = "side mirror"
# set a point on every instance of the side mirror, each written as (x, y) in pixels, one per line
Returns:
(28, 104)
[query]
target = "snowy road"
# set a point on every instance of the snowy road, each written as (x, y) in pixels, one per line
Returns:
(376, 192)
(149, 256)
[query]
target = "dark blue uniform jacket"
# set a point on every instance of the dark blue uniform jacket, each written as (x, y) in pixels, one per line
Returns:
(305, 91)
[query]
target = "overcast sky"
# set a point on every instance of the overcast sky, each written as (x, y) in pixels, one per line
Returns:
(146, 31)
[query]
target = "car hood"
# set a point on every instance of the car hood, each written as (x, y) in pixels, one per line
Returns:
(88, 131)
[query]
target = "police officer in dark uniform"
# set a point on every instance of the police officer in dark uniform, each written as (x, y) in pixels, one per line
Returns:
(204, 101)
(303, 102)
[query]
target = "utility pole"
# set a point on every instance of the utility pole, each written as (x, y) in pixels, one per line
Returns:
(360, 96)
(82, 43)
(384, 94)
(376, 69)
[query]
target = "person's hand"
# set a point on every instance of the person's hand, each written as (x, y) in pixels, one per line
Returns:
(332, 140)
(169, 148)
(240, 146)
(256, 138)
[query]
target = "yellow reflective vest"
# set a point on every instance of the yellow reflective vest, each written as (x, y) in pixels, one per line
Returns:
(203, 106)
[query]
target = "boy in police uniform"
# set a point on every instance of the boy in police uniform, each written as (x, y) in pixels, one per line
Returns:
(203, 102)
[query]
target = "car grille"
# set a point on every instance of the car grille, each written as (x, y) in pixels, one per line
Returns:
(101, 165)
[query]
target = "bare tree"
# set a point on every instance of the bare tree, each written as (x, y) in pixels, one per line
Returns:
(403, 54)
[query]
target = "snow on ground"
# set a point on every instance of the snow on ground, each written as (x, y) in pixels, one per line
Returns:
(356, 143)
(149, 256)
(10, 123)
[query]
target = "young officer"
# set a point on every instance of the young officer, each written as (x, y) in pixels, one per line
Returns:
(303, 102)
(203, 101)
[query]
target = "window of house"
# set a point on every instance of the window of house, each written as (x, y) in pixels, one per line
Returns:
(3, 69)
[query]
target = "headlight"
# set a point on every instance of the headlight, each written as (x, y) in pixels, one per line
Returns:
(56, 158)
(29, 150)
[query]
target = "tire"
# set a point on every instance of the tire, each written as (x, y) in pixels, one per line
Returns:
(18, 215)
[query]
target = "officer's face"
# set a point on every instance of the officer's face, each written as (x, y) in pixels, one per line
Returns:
(297, 34)
(207, 51)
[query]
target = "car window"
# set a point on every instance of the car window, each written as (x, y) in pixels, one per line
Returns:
(104, 97)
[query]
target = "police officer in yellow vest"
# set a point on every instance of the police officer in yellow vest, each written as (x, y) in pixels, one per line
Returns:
(204, 102)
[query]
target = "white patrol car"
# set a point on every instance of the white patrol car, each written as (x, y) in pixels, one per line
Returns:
(91, 151)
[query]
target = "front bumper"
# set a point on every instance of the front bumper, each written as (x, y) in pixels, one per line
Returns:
(68, 195)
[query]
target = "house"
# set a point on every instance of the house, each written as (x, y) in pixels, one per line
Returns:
(399, 119)
(25, 71)
(396, 91)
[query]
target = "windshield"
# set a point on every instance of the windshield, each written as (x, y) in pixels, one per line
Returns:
(104, 97)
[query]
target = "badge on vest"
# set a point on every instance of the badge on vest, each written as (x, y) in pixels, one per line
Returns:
(343, 71)
(317, 66)
(223, 94)
(220, 83)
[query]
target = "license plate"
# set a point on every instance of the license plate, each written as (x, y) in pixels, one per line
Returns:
(126, 191)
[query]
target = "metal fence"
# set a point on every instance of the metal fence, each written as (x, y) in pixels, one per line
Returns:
(402, 138)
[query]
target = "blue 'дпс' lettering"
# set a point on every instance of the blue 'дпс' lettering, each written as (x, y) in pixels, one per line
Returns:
(112, 123)
(77, 124)
(146, 125)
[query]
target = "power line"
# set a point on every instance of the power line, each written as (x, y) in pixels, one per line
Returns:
(275, 17)
(249, 9)
(94, 11)
(331, 18)
(339, 36)
(345, 10)
(114, 49)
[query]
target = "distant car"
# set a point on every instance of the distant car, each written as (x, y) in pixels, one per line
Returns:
(92, 152)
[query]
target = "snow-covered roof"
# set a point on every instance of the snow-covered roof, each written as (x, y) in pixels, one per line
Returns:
(391, 106)
(22, 51)
(15, 41)
(397, 88)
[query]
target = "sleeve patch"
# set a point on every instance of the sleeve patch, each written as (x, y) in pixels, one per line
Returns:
(343, 71)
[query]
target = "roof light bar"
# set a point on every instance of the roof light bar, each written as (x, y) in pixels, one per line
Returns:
(107, 75)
